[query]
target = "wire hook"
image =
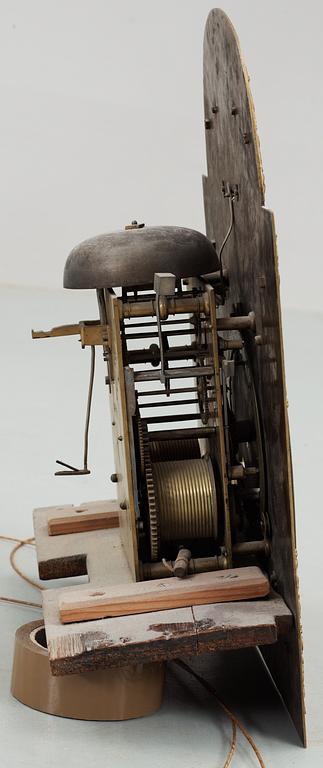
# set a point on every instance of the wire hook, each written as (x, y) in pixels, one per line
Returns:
(70, 469)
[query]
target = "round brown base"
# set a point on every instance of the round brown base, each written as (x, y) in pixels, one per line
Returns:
(111, 694)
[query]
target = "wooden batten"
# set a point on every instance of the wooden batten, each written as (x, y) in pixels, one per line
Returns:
(80, 522)
(163, 594)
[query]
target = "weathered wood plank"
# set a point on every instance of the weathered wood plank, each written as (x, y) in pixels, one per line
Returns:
(238, 625)
(163, 594)
(159, 635)
(79, 522)
(116, 641)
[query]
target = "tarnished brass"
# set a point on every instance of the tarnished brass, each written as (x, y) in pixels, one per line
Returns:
(185, 499)
(172, 306)
(91, 332)
(172, 450)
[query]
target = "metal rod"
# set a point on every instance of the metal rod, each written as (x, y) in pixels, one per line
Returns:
(163, 322)
(186, 306)
(175, 306)
(230, 343)
(161, 344)
(195, 565)
(68, 466)
(226, 419)
(154, 334)
(88, 408)
(174, 353)
(150, 294)
(177, 391)
(182, 434)
(224, 343)
(167, 403)
(251, 548)
(231, 197)
(238, 323)
(70, 469)
(189, 372)
(174, 417)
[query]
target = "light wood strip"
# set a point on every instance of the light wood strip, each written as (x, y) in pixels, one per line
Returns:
(159, 594)
(78, 522)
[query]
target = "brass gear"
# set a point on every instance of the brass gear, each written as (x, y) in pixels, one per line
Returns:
(152, 507)
(141, 446)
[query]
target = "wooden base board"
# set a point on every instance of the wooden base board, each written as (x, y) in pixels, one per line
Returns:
(160, 635)
(153, 636)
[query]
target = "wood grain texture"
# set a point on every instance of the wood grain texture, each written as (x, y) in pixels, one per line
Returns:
(233, 156)
(163, 594)
(157, 636)
(237, 625)
(80, 522)
(160, 635)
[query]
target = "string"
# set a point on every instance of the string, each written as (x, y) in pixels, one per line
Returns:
(20, 543)
(19, 601)
(235, 723)
(18, 570)
(233, 718)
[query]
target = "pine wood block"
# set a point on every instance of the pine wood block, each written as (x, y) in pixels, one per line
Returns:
(80, 522)
(163, 594)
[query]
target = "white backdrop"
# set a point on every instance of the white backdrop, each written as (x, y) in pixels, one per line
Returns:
(102, 122)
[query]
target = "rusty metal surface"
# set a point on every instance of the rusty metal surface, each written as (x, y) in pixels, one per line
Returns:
(250, 257)
(132, 257)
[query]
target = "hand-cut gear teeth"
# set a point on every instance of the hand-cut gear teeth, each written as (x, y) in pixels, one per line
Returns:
(141, 447)
(152, 508)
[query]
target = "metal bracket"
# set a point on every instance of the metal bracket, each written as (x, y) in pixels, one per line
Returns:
(164, 285)
(92, 332)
